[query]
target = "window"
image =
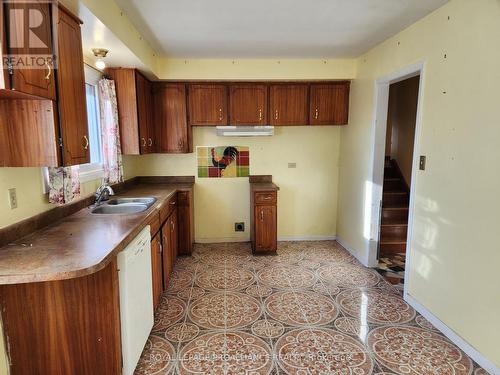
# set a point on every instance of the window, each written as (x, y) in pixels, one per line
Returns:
(94, 170)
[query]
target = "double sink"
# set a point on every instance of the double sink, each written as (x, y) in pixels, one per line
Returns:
(122, 206)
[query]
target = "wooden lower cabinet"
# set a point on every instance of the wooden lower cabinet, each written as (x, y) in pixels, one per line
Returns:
(67, 327)
(156, 269)
(169, 244)
(185, 218)
(264, 222)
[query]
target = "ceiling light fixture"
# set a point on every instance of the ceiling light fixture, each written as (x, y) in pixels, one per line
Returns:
(100, 53)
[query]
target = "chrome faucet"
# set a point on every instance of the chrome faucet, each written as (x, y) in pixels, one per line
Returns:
(103, 193)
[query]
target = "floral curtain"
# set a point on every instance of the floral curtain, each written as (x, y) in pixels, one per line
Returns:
(111, 148)
(64, 184)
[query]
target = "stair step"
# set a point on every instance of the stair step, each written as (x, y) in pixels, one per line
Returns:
(388, 248)
(393, 185)
(394, 233)
(395, 199)
(390, 172)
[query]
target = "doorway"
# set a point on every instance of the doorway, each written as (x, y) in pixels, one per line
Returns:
(398, 170)
(374, 186)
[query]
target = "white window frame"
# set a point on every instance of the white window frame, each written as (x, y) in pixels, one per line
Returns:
(90, 172)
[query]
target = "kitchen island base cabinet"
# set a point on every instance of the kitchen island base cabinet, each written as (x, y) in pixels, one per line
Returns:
(67, 327)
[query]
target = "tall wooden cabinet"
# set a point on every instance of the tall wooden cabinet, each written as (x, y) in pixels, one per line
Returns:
(71, 91)
(207, 104)
(170, 114)
(248, 104)
(135, 111)
(263, 218)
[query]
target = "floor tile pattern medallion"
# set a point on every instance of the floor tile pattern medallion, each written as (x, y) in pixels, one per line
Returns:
(310, 310)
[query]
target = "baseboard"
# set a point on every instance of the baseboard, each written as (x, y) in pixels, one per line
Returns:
(351, 250)
(307, 238)
(221, 240)
(454, 337)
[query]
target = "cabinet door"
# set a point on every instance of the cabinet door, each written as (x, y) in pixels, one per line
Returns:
(185, 223)
(144, 114)
(289, 105)
(71, 88)
(265, 228)
(157, 269)
(330, 104)
(127, 97)
(248, 104)
(40, 81)
(171, 118)
(207, 105)
(166, 241)
(174, 236)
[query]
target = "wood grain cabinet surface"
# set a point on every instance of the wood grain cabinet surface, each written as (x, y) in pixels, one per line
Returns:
(170, 114)
(289, 104)
(71, 91)
(248, 104)
(207, 105)
(264, 221)
(156, 269)
(135, 111)
(185, 218)
(40, 81)
(329, 103)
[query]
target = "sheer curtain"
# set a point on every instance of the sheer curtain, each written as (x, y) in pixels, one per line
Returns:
(111, 148)
(64, 184)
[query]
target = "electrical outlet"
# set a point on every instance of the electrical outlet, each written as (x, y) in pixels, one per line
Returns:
(292, 165)
(239, 227)
(12, 198)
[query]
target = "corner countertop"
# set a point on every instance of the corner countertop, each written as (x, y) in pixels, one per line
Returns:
(82, 243)
(262, 183)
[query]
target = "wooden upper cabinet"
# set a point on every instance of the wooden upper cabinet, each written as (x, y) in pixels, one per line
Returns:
(147, 139)
(71, 91)
(248, 104)
(170, 118)
(39, 82)
(289, 104)
(330, 103)
(207, 105)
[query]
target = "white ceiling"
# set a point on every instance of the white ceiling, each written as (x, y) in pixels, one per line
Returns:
(271, 28)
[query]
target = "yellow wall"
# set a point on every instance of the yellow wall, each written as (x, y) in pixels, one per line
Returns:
(307, 201)
(455, 253)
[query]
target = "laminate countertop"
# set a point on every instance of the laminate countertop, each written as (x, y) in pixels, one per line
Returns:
(82, 243)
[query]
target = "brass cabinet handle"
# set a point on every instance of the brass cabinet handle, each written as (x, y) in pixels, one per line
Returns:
(49, 71)
(143, 142)
(316, 114)
(261, 215)
(150, 142)
(276, 114)
(86, 146)
(260, 114)
(221, 116)
(161, 248)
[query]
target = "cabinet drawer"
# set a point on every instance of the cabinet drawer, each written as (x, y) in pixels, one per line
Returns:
(167, 208)
(154, 222)
(268, 197)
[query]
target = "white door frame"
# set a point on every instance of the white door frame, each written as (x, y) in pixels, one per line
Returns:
(378, 144)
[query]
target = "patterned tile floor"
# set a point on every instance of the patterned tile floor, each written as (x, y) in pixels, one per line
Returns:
(312, 309)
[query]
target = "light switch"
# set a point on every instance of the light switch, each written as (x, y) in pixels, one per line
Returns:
(422, 163)
(12, 199)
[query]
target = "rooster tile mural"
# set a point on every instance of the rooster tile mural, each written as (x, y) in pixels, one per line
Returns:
(223, 161)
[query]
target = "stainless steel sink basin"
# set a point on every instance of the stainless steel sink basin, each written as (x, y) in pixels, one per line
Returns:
(119, 201)
(125, 208)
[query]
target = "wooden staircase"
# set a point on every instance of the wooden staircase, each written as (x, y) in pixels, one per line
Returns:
(395, 204)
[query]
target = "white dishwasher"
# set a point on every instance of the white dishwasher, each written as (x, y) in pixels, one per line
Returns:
(136, 298)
